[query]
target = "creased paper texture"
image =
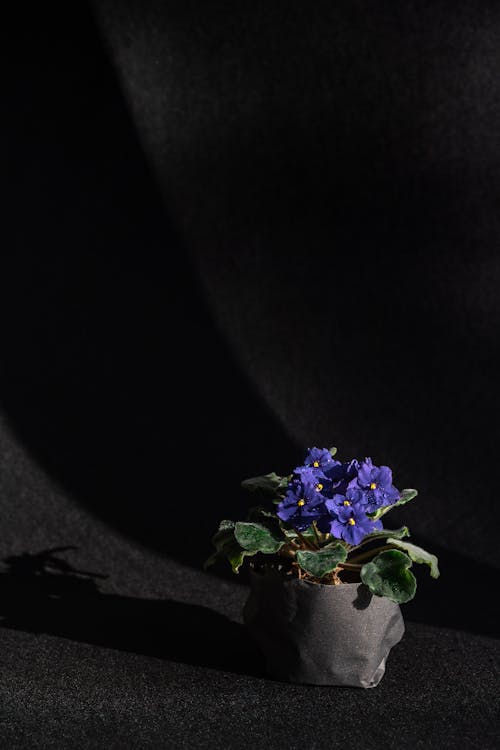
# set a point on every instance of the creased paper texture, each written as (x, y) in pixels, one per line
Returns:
(321, 634)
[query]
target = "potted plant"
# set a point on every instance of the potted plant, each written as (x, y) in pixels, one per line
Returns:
(326, 577)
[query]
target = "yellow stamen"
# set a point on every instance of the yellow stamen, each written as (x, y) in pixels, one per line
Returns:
(319, 487)
(346, 502)
(316, 464)
(301, 503)
(351, 522)
(373, 486)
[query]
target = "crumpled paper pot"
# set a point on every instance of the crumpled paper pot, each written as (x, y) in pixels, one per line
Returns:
(321, 634)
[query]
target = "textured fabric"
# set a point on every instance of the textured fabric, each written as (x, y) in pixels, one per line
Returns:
(322, 635)
(440, 690)
(145, 652)
(334, 170)
(299, 147)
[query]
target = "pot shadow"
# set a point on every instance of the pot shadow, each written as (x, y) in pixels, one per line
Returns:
(43, 593)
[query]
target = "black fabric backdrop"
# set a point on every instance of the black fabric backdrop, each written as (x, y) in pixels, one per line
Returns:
(232, 230)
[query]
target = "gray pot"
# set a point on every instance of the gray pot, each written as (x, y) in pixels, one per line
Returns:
(320, 634)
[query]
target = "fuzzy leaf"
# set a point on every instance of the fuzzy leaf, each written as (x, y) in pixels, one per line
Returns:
(388, 575)
(406, 496)
(268, 484)
(418, 555)
(332, 450)
(254, 537)
(383, 534)
(227, 547)
(270, 520)
(284, 482)
(223, 535)
(267, 518)
(235, 556)
(318, 564)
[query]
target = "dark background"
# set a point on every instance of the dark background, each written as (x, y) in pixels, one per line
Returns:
(232, 230)
(321, 266)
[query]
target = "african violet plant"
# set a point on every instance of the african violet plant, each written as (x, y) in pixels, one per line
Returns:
(327, 527)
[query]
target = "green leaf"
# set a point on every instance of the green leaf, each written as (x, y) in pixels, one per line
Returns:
(254, 537)
(270, 520)
(383, 534)
(418, 555)
(388, 575)
(268, 484)
(261, 514)
(235, 556)
(318, 564)
(227, 547)
(333, 450)
(284, 482)
(406, 496)
(223, 535)
(288, 531)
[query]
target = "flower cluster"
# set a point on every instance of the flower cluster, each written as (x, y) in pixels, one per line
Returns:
(337, 496)
(324, 511)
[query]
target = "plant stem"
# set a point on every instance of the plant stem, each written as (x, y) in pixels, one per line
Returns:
(350, 566)
(365, 541)
(316, 534)
(375, 551)
(304, 541)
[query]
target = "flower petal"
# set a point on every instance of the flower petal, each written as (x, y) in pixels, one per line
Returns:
(336, 529)
(353, 534)
(356, 495)
(366, 473)
(384, 477)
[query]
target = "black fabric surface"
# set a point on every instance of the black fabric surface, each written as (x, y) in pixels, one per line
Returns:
(154, 654)
(60, 694)
(314, 260)
(334, 171)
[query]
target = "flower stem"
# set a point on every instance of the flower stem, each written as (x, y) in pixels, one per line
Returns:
(316, 534)
(370, 552)
(304, 541)
(367, 540)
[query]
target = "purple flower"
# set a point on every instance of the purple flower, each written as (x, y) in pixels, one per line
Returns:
(320, 466)
(308, 475)
(319, 458)
(376, 482)
(348, 522)
(352, 497)
(341, 474)
(302, 504)
(315, 477)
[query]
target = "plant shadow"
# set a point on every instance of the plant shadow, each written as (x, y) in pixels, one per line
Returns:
(43, 593)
